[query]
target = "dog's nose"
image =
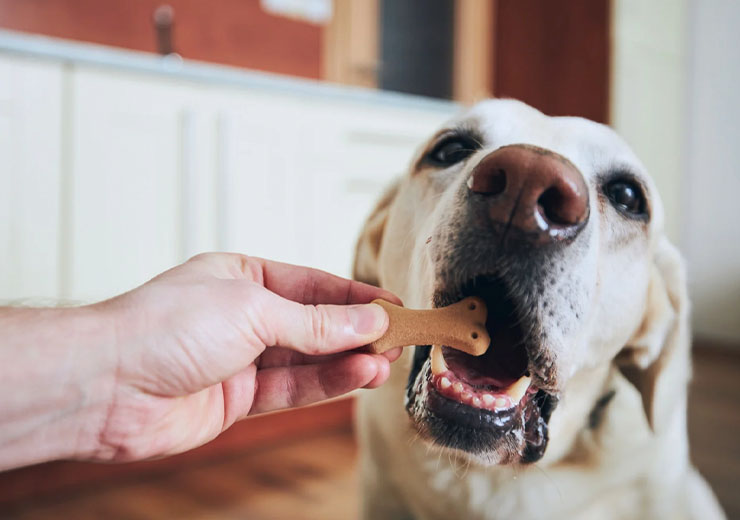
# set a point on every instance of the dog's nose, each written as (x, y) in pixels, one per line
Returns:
(532, 190)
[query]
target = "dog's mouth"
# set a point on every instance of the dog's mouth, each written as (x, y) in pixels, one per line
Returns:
(490, 405)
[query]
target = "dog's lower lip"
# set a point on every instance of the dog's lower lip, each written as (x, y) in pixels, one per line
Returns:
(518, 433)
(458, 391)
(448, 384)
(490, 404)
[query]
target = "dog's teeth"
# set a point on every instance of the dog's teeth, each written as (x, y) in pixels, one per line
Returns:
(444, 383)
(438, 361)
(476, 402)
(466, 397)
(458, 387)
(501, 402)
(488, 399)
(517, 390)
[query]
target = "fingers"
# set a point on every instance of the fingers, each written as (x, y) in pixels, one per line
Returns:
(393, 354)
(283, 357)
(384, 371)
(289, 387)
(316, 329)
(297, 283)
(238, 392)
(311, 286)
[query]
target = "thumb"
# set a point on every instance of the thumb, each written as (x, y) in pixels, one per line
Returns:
(320, 329)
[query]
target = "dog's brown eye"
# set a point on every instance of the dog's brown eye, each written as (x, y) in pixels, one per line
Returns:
(452, 150)
(627, 197)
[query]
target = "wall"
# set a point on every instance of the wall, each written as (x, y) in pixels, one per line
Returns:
(676, 67)
(648, 92)
(233, 32)
(711, 223)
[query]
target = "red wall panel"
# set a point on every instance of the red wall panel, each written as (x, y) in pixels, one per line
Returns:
(554, 55)
(234, 32)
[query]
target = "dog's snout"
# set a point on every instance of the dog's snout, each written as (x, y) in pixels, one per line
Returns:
(532, 190)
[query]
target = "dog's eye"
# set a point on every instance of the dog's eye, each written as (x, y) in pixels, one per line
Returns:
(627, 197)
(452, 150)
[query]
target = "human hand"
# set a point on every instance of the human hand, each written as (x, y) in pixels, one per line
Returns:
(224, 336)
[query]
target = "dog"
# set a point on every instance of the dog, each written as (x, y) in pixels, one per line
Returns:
(578, 408)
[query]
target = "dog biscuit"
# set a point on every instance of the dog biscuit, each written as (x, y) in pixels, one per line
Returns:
(461, 326)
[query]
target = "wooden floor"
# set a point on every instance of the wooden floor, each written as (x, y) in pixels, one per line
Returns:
(714, 423)
(315, 478)
(311, 479)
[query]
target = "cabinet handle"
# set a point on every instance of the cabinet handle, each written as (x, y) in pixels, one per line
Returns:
(164, 19)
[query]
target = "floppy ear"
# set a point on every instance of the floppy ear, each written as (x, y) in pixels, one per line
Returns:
(657, 359)
(365, 267)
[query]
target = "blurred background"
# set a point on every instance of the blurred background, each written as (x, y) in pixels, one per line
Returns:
(136, 133)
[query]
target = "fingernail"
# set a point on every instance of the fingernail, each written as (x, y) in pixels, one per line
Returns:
(367, 319)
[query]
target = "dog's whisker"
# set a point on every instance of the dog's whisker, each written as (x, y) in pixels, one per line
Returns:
(550, 479)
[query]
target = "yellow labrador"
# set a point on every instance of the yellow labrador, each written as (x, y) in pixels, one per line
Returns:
(578, 409)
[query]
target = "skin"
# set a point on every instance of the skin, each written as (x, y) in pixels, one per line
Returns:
(170, 365)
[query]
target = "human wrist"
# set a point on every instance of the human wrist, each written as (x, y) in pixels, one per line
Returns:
(57, 395)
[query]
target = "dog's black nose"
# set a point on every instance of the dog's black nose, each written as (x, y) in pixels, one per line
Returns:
(534, 191)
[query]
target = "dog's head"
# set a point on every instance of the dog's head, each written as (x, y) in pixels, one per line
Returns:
(554, 222)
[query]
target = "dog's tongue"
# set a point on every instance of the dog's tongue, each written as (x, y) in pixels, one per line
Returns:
(487, 371)
(503, 363)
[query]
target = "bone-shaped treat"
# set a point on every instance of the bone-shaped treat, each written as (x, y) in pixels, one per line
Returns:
(461, 326)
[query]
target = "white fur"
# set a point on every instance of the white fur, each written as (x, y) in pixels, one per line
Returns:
(629, 284)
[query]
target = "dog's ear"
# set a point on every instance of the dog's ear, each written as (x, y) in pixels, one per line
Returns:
(657, 358)
(365, 267)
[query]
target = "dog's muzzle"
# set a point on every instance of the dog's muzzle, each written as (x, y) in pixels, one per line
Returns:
(524, 206)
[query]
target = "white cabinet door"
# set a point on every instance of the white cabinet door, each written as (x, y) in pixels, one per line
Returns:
(266, 176)
(362, 149)
(301, 173)
(109, 177)
(30, 159)
(138, 171)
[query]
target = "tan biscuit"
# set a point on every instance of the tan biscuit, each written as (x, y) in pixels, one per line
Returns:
(461, 326)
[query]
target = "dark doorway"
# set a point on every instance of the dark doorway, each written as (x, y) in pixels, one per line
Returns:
(416, 46)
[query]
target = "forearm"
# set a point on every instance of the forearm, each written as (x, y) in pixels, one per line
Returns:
(57, 371)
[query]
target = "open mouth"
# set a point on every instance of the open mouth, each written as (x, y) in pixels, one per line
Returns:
(457, 377)
(498, 379)
(489, 405)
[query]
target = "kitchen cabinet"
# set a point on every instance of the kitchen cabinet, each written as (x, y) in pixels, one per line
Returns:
(111, 174)
(300, 178)
(31, 159)
(131, 152)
